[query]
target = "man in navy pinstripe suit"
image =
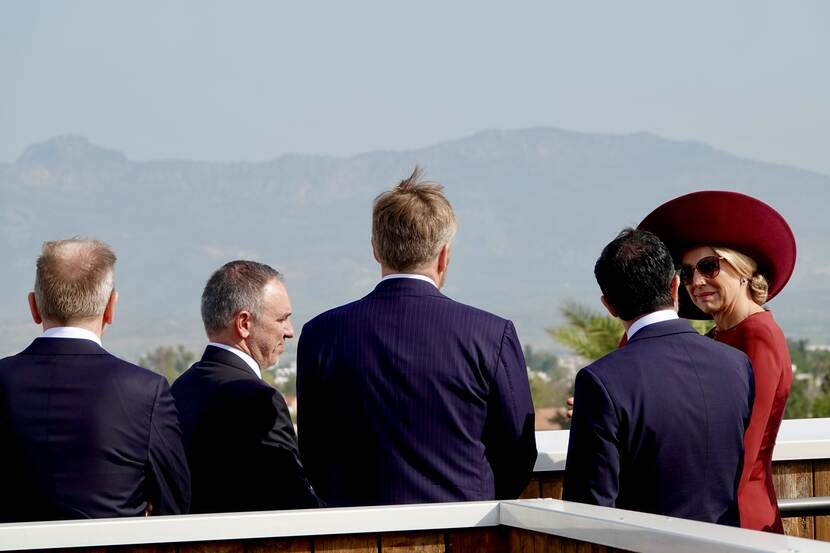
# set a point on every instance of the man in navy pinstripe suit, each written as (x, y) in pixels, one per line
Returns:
(406, 396)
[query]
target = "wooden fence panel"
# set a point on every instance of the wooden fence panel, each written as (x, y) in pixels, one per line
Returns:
(278, 545)
(478, 540)
(525, 541)
(821, 488)
(360, 543)
(792, 480)
(413, 542)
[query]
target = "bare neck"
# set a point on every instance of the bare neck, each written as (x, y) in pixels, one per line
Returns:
(96, 326)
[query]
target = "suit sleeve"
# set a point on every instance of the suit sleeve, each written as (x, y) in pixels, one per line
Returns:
(309, 411)
(169, 477)
(281, 458)
(510, 438)
(592, 471)
(767, 377)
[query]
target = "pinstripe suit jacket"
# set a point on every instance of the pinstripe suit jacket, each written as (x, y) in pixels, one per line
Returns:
(407, 396)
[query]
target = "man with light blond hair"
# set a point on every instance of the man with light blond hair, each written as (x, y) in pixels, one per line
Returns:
(427, 399)
(84, 434)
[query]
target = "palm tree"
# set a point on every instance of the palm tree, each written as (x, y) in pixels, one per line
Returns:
(587, 332)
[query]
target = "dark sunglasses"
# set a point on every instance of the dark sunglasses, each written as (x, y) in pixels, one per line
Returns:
(708, 267)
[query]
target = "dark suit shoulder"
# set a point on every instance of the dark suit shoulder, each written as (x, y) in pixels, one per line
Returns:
(370, 304)
(635, 355)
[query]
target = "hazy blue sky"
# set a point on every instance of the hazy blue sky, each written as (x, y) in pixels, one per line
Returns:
(253, 80)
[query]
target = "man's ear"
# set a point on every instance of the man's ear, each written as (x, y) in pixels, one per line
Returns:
(375, 250)
(109, 310)
(34, 310)
(444, 258)
(675, 291)
(242, 323)
(609, 307)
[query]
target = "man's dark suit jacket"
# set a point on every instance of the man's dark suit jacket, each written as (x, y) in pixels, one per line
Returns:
(239, 439)
(406, 396)
(658, 426)
(86, 435)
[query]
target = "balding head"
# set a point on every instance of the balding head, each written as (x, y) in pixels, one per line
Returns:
(74, 280)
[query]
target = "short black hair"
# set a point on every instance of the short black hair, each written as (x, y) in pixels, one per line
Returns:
(634, 272)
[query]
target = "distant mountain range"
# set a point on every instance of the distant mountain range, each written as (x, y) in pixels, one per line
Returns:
(535, 207)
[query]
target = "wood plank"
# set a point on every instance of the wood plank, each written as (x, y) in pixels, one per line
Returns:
(278, 545)
(212, 547)
(533, 490)
(552, 485)
(357, 543)
(821, 488)
(151, 548)
(475, 540)
(794, 479)
(526, 541)
(412, 542)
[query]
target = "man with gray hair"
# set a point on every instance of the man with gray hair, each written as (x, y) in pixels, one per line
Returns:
(435, 392)
(238, 434)
(84, 434)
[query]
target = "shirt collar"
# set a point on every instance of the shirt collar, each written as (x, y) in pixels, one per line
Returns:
(241, 354)
(650, 319)
(410, 275)
(71, 332)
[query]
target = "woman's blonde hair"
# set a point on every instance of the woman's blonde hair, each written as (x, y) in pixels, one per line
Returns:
(747, 268)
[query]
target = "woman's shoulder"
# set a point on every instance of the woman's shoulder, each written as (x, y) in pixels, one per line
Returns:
(761, 326)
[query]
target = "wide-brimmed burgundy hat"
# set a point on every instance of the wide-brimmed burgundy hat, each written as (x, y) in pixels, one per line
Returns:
(731, 220)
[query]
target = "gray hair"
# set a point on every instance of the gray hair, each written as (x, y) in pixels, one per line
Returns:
(411, 223)
(236, 286)
(74, 279)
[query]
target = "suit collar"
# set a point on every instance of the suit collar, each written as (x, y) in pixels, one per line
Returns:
(220, 356)
(64, 346)
(674, 326)
(406, 286)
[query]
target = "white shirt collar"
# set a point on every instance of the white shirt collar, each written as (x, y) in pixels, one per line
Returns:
(410, 275)
(241, 354)
(71, 332)
(650, 319)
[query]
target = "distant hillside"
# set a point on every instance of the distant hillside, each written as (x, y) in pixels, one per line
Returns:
(535, 207)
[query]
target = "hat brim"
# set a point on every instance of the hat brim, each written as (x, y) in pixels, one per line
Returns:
(726, 219)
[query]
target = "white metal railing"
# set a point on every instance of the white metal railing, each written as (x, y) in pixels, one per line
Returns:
(628, 530)
(797, 439)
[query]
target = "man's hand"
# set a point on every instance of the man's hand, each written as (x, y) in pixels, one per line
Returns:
(570, 404)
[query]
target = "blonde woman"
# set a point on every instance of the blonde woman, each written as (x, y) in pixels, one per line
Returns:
(735, 253)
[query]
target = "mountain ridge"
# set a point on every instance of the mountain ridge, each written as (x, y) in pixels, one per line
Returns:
(535, 206)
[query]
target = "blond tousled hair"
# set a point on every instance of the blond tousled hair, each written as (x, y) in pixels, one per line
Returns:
(74, 279)
(747, 268)
(411, 223)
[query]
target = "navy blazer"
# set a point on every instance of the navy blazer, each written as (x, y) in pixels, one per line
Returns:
(658, 426)
(407, 396)
(86, 435)
(239, 439)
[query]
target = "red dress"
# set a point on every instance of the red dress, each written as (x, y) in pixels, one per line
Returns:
(763, 342)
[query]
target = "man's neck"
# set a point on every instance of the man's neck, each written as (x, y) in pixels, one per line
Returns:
(94, 326)
(430, 274)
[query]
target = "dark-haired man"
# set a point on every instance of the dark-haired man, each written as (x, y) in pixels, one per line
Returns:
(658, 424)
(84, 434)
(238, 434)
(424, 399)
